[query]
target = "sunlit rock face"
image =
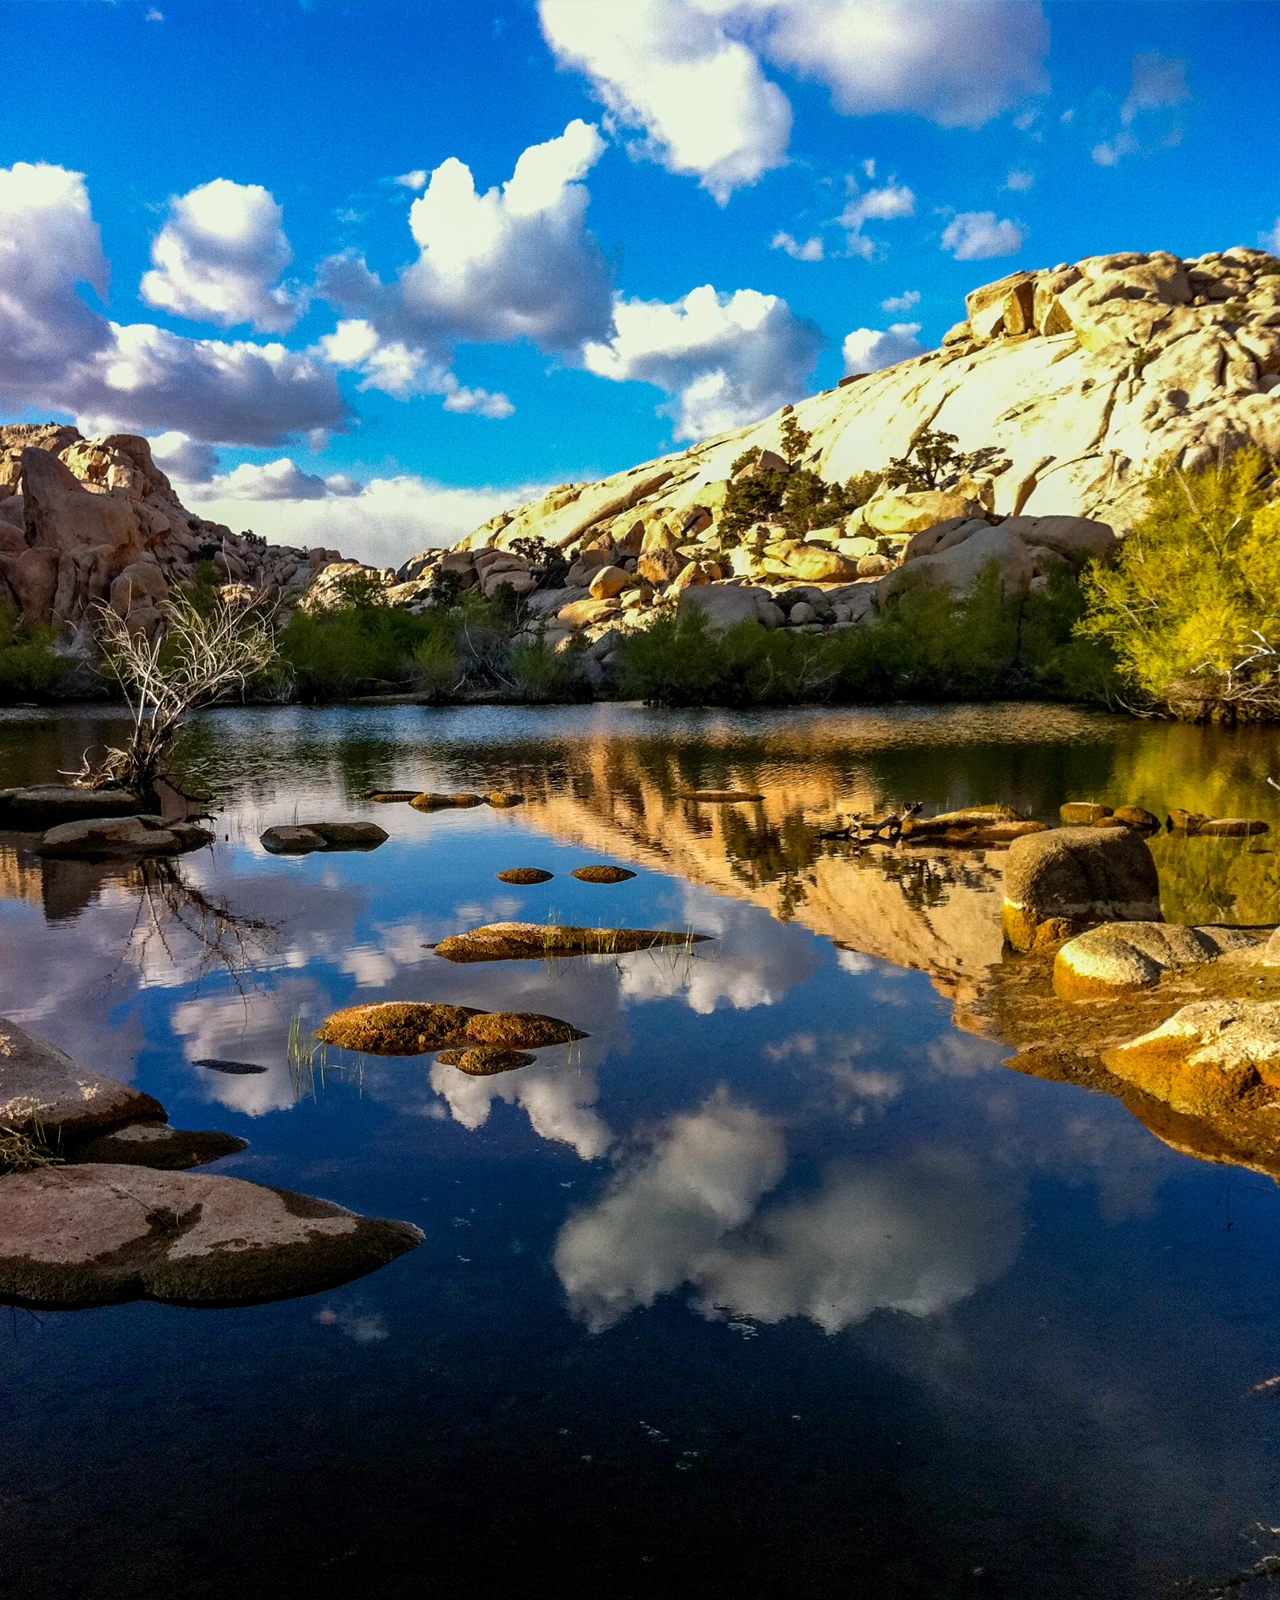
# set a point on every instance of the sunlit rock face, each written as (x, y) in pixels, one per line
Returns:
(1072, 382)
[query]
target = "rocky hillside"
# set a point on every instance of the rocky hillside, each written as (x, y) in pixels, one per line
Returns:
(83, 521)
(1062, 389)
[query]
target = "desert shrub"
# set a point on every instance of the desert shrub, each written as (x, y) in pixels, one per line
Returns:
(540, 676)
(1191, 604)
(30, 667)
(930, 460)
(795, 441)
(928, 645)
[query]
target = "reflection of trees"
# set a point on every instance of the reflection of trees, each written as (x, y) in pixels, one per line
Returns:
(173, 913)
(760, 851)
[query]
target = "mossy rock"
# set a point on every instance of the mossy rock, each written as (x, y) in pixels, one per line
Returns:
(445, 802)
(504, 799)
(520, 1030)
(525, 875)
(396, 1028)
(602, 874)
(533, 941)
(485, 1061)
(388, 797)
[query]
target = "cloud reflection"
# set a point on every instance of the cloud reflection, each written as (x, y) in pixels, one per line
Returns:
(917, 1234)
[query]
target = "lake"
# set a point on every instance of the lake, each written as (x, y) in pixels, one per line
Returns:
(779, 1280)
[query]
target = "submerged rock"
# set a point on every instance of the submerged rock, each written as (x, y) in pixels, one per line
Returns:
(1195, 825)
(484, 1061)
(525, 875)
(442, 802)
(504, 799)
(1082, 814)
(411, 1028)
(97, 1234)
(723, 797)
(303, 838)
(47, 805)
(1059, 882)
(1208, 1056)
(1120, 957)
(601, 874)
(97, 838)
(157, 1145)
(234, 1069)
(524, 941)
(974, 827)
(42, 1090)
(388, 797)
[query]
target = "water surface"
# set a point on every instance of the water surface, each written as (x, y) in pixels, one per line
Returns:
(778, 1281)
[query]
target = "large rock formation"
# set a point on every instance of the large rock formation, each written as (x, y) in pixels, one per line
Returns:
(95, 520)
(1063, 387)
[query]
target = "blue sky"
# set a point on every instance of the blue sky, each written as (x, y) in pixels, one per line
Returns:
(830, 176)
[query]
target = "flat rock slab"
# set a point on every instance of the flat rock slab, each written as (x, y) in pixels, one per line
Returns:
(302, 839)
(723, 797)
(97, 1234)
(47, 805)
(602, 874)
(1122, 957)
(413, 1028)
(532, 941)
(389, 797)
(445, 802)
(525, 875)
(157, 1145)
(43, 1089)
(104, 838)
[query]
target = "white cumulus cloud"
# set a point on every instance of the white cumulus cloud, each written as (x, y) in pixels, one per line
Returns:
(870, 349)
(417, 179)
(887, 204)
(218, 257)
(279, 480)
(513, 263)
(810, 250)
(1019, 181)
(906, 301)
(182, 458)
(669, 69)
(725, 360)
(392, 519)
(57, 353)
(690, 73)
(977, 236)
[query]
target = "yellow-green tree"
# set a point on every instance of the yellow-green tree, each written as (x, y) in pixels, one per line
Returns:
(1191, 606)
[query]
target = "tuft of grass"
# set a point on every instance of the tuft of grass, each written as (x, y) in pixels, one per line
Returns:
(26, 1152)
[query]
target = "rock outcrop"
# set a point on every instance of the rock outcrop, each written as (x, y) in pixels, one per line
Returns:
(85, 521)
(1063, 387)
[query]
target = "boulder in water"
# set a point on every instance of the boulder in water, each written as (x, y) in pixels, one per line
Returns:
(531, 941)
(601, 874)
(1058, 883)
(525, 875)
(42, 1090)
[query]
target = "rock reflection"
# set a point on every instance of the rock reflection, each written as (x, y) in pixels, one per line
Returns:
(914, 1234)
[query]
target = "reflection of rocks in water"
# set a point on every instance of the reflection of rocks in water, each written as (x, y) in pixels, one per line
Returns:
(20, 876)
(1069, 1041)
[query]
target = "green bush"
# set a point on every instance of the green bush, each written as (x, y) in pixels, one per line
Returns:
(1191, 605)
(30, 668)
(926, 646)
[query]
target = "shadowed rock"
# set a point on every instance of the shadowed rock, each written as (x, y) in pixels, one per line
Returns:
(524, 941)
(525, 875)
(444, 802)
(1137, 818)
(1059, 882)
(48, 805)
(157, 1145)
(96, 1234)
(412, 1028)
(483, 1061)
(304, 838)
(43, 1090)
(601, 874)
(1120, 957)
(387, 797)
(101, 838)
(235, 1069)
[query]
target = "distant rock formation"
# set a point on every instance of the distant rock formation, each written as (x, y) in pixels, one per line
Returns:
(95, 520)
(1064, 389)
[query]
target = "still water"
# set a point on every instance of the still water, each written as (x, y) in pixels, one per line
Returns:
(779, 1281)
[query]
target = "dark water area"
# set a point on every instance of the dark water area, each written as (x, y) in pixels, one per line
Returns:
(778, 1281)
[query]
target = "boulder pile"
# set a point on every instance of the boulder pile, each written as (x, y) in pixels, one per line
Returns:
(95, 520)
